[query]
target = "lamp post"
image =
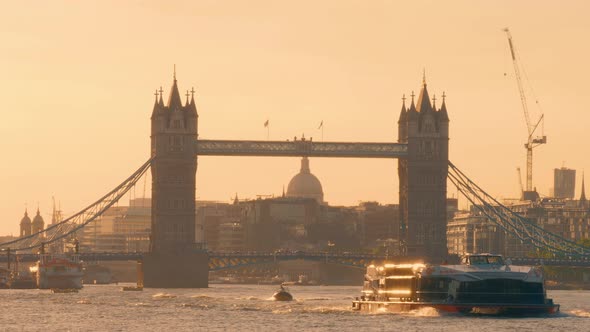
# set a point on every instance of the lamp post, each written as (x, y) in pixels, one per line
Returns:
(330, 246)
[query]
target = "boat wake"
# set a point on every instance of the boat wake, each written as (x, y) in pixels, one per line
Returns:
(579, 313)
(201, 297)
(327, 310)
(163, 296)
(194, 305)
(425, 312)
(140, 304)
(421, 312)
(282, 311)
(250, 298)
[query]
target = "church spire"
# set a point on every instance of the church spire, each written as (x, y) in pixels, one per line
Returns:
(423, 103)
(174, 101)
(583, 201)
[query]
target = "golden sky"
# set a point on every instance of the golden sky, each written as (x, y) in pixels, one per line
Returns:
(78, 79)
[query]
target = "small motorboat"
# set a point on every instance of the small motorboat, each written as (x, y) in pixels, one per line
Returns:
(282, 294)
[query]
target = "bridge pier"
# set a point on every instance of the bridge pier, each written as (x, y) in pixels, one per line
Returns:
(173, 270)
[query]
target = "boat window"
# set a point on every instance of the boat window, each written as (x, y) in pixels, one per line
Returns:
(396, 271)
(495, 260)
(476, 260)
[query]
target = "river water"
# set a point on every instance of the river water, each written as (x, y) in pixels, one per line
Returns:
(250, 308)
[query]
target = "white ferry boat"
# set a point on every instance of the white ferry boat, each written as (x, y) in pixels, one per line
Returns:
(58, 271)
(482, 284)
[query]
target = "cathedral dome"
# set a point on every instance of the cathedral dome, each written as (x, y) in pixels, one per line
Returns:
(305, 184)
(25, 220)
(38, 223)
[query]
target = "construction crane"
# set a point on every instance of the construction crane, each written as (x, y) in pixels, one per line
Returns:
(532, 141)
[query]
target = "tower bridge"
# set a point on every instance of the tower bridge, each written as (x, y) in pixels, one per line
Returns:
(422, 148)
(423, 168)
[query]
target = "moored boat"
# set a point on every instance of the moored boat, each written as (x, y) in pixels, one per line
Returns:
(482, 284)
(22, 280)
(58, 271)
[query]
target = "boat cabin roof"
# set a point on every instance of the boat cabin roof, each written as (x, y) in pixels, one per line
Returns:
(482, 259)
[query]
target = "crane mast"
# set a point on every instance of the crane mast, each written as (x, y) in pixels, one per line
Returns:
(532, 142)
(520, 182)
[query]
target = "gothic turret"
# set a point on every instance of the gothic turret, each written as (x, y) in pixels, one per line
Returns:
(443, 116)
(403, 122)
(157, 107)
(191, 111)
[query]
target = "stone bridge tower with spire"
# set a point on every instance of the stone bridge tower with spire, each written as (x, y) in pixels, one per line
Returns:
(174, 259)
(423, 177)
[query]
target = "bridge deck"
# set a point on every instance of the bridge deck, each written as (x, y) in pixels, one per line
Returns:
(300, 148)
(361, 258)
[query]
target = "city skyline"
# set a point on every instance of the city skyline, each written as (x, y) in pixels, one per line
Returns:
(79, 100)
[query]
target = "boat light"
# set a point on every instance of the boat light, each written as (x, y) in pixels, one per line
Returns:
(399, 277)
(396, 291)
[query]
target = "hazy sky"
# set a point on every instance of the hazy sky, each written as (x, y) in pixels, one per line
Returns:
(78, 79)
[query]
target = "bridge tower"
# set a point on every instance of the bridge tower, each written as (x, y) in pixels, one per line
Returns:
(423, 177)
(174, 259)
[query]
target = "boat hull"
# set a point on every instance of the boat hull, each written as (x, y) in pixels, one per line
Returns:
(508, 309)
(65, 281)
(282, 296)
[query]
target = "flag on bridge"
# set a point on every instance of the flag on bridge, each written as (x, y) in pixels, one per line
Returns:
(321, 125)
(265, 123)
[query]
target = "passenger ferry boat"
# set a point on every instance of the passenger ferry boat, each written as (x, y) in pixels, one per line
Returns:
(481, 284)
(58, 271)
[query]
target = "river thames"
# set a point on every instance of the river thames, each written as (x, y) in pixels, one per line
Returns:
(250, 308)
